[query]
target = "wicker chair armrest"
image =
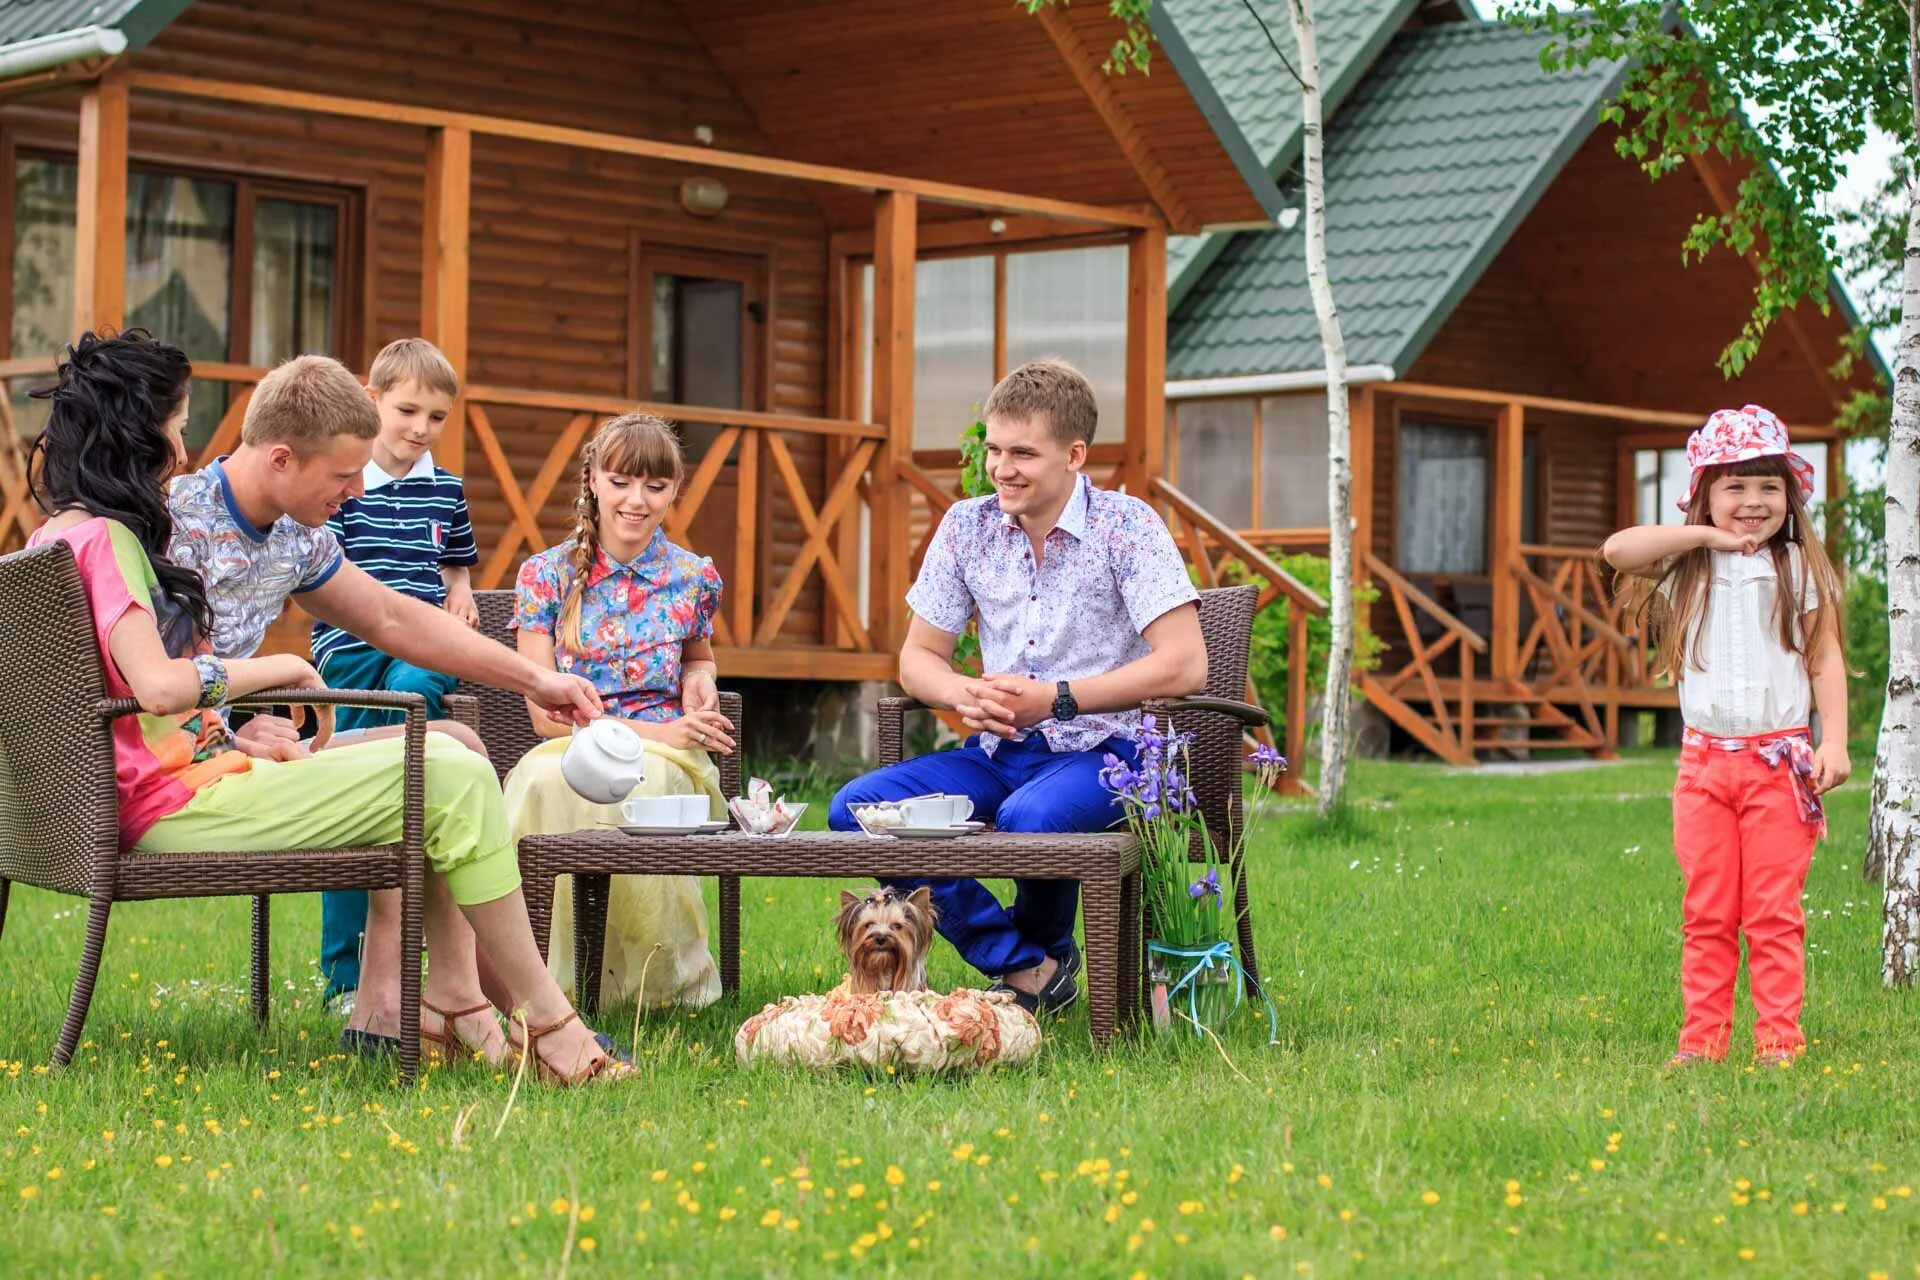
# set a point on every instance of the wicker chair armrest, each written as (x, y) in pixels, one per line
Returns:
(463, 708)
(734, 708)
(891, 728)
(379, 698)
(1245, 712)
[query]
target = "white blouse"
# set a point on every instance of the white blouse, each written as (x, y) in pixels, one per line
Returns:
(1747, 681)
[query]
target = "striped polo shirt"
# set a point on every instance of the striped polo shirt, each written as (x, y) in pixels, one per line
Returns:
(401, 530)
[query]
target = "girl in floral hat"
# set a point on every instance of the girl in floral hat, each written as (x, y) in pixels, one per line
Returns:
(1750, 631)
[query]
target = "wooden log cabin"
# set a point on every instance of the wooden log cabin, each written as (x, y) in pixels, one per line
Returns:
(716, 210)
(1528, 356)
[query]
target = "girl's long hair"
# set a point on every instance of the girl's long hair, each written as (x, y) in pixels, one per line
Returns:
(105, 449)
(1685, 582)
(633, 444)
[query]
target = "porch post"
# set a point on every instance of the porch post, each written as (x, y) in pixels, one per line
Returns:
(1509, 445)
(1146, 444)
(444, 265)
(1360, 428)
(895, 225)
(100, 230)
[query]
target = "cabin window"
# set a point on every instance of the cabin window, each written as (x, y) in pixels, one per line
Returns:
(1293, 462)
(1214, 445)
(1442, 498)
(697, 323)
(978, 314)
(230, 269)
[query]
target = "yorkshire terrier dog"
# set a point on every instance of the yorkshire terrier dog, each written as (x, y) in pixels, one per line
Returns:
(885, 936)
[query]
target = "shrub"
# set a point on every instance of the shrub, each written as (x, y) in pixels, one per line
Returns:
(1269, 658)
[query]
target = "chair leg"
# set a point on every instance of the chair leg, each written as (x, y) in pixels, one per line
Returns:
(1132, 968)
(1101, 921)
(6, 887)
(729, 934)
(1248, 961)
(590, 894)
(413, 900)
(262, 912)
(63, 1050)
(536, 887)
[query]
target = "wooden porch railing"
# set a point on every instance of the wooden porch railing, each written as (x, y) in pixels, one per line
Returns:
(1581, 641)
(1202, 534)
(1447, 728)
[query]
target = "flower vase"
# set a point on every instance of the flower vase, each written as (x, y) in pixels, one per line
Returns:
(1190, 983)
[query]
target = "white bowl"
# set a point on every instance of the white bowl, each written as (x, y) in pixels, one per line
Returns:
(794, 811)
(604, 761)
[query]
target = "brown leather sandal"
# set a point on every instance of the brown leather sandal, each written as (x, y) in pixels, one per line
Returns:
(602, 1070)
(447, 1046)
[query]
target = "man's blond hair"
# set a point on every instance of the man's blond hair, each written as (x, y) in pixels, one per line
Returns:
(1052, 389)
(305, 403)
(413, 360)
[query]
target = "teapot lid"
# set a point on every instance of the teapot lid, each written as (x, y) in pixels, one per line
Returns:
(616, 740)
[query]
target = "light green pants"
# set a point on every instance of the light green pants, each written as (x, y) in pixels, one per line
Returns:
(351, 796)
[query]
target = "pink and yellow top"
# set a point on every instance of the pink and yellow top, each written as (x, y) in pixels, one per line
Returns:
(635, 617)
(159, 761)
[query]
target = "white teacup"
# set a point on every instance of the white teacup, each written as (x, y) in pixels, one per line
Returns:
(604, 761)
(665, 811)
(936, 811)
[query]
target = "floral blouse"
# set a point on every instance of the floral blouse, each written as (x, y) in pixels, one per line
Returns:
(635, 618)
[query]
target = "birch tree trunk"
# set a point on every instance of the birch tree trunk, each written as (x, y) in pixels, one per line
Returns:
(1338, 698)
(1900, 733)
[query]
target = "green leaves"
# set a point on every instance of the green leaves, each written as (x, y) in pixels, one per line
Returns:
(1133, 51)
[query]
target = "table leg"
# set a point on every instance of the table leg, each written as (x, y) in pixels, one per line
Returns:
(536, 887)
(1101, 910)
(1132, 961)
(729, 934)
(589, 939)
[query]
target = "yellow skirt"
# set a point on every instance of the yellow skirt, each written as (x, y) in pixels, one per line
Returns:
(661, 916)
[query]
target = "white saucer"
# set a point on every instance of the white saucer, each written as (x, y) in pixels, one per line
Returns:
(697, 829)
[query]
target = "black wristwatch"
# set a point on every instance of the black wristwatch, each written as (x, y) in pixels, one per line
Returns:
(1064, 706)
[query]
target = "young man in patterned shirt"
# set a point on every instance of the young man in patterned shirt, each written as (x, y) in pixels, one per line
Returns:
(1085, 611)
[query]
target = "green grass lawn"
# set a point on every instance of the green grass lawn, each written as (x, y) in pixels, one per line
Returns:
(1476, 980)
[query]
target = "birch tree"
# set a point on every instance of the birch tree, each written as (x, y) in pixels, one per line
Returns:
(1337, 700)
(1791, 87)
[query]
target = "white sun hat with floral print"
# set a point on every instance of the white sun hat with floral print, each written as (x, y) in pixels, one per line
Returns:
(1738, 435)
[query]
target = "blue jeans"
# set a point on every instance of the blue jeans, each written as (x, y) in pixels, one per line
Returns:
(1022, 786)
(343, 912)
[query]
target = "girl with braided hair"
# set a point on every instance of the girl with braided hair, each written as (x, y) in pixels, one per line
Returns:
(621, 605)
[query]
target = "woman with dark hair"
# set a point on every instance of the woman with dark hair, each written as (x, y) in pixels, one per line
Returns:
(100, 472)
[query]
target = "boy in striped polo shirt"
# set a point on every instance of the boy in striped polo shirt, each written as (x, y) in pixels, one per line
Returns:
(409, 530)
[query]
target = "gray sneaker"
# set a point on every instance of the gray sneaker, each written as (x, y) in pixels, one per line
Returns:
(341, 1003)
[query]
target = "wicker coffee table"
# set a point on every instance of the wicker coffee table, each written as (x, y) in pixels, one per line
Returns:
(1107, 867)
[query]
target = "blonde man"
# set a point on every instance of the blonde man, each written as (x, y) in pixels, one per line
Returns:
(253, 524)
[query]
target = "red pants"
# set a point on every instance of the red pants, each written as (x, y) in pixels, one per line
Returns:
(1743, 848)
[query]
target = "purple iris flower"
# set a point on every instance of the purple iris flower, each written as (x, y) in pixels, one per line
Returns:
(1207, 886)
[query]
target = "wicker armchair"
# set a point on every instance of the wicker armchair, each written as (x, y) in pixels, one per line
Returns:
(501, 720)
(60, 810)
(1217, 720)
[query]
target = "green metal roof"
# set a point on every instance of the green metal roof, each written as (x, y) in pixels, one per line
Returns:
(1436, 157)
(1236, 55)
(138, 20)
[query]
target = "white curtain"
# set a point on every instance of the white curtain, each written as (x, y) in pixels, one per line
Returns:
(1443, 498)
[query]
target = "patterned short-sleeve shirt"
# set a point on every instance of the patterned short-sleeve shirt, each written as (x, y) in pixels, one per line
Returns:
(248, 572)
(635, 617)
(1109, 570)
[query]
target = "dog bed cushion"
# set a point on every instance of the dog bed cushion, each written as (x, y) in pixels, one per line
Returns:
(907, 1030)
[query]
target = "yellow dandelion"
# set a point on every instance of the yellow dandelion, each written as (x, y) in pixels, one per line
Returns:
(727, 1213)
(1515, 1199)
(165, 1162)
(1048, 1175)
(1190, 1207)
(934, 1186)
(1131, 1197)
(588, 1244)
(55, 1174)
(28, 1193)
(659, 1175)
(857, 1190)
(1346, 1215)
(1325, 1180)
(108, 1210)
(1112, 1215)
(963, 1152)
(586, 1212)
(1746, 1255)
(895, 1177)
(1429, 1197)
(1596, 1164)
(559, 1207)
(1277, 1231)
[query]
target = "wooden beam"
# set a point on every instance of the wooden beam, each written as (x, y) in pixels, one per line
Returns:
(1406, 391)
(100, 227)
(894, 228)
(1360, 458)
(707, 158)
(1101, 91)
(1509, 445)
(1145, 457)
(960, 237)
(444, 266)
(528, 398)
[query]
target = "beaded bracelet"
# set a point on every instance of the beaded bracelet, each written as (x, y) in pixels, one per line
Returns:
(213, 680)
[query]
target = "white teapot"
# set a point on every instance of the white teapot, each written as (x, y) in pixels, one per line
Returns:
(604, 761)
